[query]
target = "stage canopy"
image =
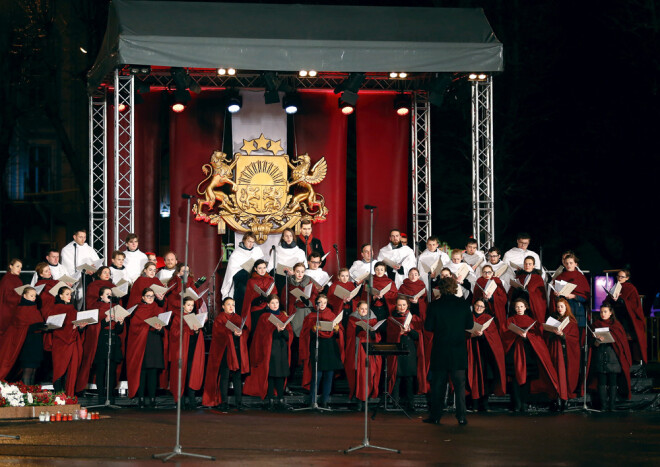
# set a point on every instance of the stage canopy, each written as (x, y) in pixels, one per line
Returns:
(271, 37)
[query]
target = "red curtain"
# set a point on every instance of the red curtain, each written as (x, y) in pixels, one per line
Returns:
(194, 135)
(320, 131)
(382, 146)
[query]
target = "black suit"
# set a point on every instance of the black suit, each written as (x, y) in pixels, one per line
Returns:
(315, 244)
(448, 318)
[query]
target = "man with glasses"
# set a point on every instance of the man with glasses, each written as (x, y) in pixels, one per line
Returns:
(318, 275)
(515, 257)
(494, 261)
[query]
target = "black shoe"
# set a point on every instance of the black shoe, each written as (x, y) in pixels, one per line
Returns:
(281, 405)
(324, 405)
(240, 407)
(360, 406)
(141, 403)
(223, 407)
(462, 421)
(152, 402)
(433, 421)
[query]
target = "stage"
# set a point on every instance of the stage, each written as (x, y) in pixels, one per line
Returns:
(270, 438)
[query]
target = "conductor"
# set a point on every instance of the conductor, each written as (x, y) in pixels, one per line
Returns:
(448, 318)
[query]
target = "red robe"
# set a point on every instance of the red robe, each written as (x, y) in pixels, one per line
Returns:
(583, 288)
(137, 342)
(47, 303)
(547, 381)
(390, 297)
(622, 351)
(263, 282)
(355, 372)
(138, 287)
(92, 293)
(497, 303)
(569, 379)
(197, 368)
(413, 288)
(336, 303)
(90, 338)
(304, 356)
(173, 297)
(394, 335)
(67, 348)
(222, 340)
(537, 298)
(9, 300)
(633, 304)
(12, 344)
(475, 373)
(256, 384)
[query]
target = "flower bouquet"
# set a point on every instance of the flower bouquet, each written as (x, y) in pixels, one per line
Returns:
(19, 395)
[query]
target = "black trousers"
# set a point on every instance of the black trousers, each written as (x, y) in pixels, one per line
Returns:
(101, 376)
(438, 388)
(225, 374)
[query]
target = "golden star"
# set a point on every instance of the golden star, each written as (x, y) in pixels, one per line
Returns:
(262, 142)
(276, 146)
(248, 146)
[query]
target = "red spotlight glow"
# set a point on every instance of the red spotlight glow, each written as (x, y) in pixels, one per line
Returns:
(403, 111)
(178, 108)
(347, 109)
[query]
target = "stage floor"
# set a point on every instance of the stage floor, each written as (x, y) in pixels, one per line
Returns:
(256, 437)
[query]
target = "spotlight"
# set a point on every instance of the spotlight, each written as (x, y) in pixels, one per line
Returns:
(349, 97)
(477, 77)
(349, 88)
(402, 104)
(231, 71)
(302, 73)
(472, 76)
(482, 76)
(403, 75)
(181, 98)
(312, 73)
(291, 103)
(234, 102)
(83, 50)
(345, 107)
(271, 82)
(178, 107)
(222, 71)
(139, 69)
(121, 107)
(394, 74)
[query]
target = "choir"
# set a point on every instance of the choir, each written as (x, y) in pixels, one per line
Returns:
(522, 334)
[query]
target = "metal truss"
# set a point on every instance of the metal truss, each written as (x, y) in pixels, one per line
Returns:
(483, 196)
(124, 157)
(98, 165)
(421, 167)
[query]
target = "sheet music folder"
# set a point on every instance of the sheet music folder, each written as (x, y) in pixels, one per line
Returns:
(386, 348)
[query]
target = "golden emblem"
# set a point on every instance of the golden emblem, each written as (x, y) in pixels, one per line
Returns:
(262, 197)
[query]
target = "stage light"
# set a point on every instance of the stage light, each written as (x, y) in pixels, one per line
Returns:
(83, 50)
(472, 76)
(345, 107)
(139, 69)
(302, 73)
(121, 107)
(271, 82)
(349, 88)
(312, 73)
(222, 71)
(394, 74)
(291, 103)
(178, 107)
(403, 75)
(482, 76)
(180, 99)
(231, 71)
(234, 102)
(402, 104)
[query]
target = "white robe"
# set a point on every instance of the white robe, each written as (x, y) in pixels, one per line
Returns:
(318, 275)
(134, 263)
(474, 259)
(239, 256)
(287, 256)
(471, 277)
(404, 256)
(164, 275)
(56, 271)
(359, 268)
(118, 274)
(506, 277)
(428, 258)
(74, 255)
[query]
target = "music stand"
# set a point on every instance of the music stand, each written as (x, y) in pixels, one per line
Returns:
(177, 451)
(376, 350)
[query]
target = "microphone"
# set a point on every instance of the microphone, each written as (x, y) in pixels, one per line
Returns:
(186, 196)
(272, 248)
(335, 247)
(369, 206)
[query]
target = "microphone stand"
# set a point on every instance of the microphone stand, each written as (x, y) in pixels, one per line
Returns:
(211, 298)
(337, 253)
(107, 403)
(315, 405)
(584, 381)
(177, 451)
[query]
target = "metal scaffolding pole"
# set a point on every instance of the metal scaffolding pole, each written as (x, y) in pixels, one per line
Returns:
(124, 157)
(98, 165)
(483, 196)
(421, 167)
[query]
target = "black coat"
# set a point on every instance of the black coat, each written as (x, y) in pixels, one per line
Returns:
(316, 246)
(448, 318)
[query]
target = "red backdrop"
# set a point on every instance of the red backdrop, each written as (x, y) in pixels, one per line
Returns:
(320, 131)
(383, 146)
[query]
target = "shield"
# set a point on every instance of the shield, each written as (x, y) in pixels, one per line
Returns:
(262, 184)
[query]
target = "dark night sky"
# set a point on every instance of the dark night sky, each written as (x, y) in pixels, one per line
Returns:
(575, 124)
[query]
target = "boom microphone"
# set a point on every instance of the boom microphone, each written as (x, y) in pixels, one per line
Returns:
(335, 247)
(369, 206)
(186, 196)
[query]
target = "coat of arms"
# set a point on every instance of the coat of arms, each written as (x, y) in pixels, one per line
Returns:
(266, 194)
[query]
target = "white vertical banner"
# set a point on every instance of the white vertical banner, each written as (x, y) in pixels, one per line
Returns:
(254, 118)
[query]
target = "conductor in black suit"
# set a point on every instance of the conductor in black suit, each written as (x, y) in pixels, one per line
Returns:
(448, 318)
